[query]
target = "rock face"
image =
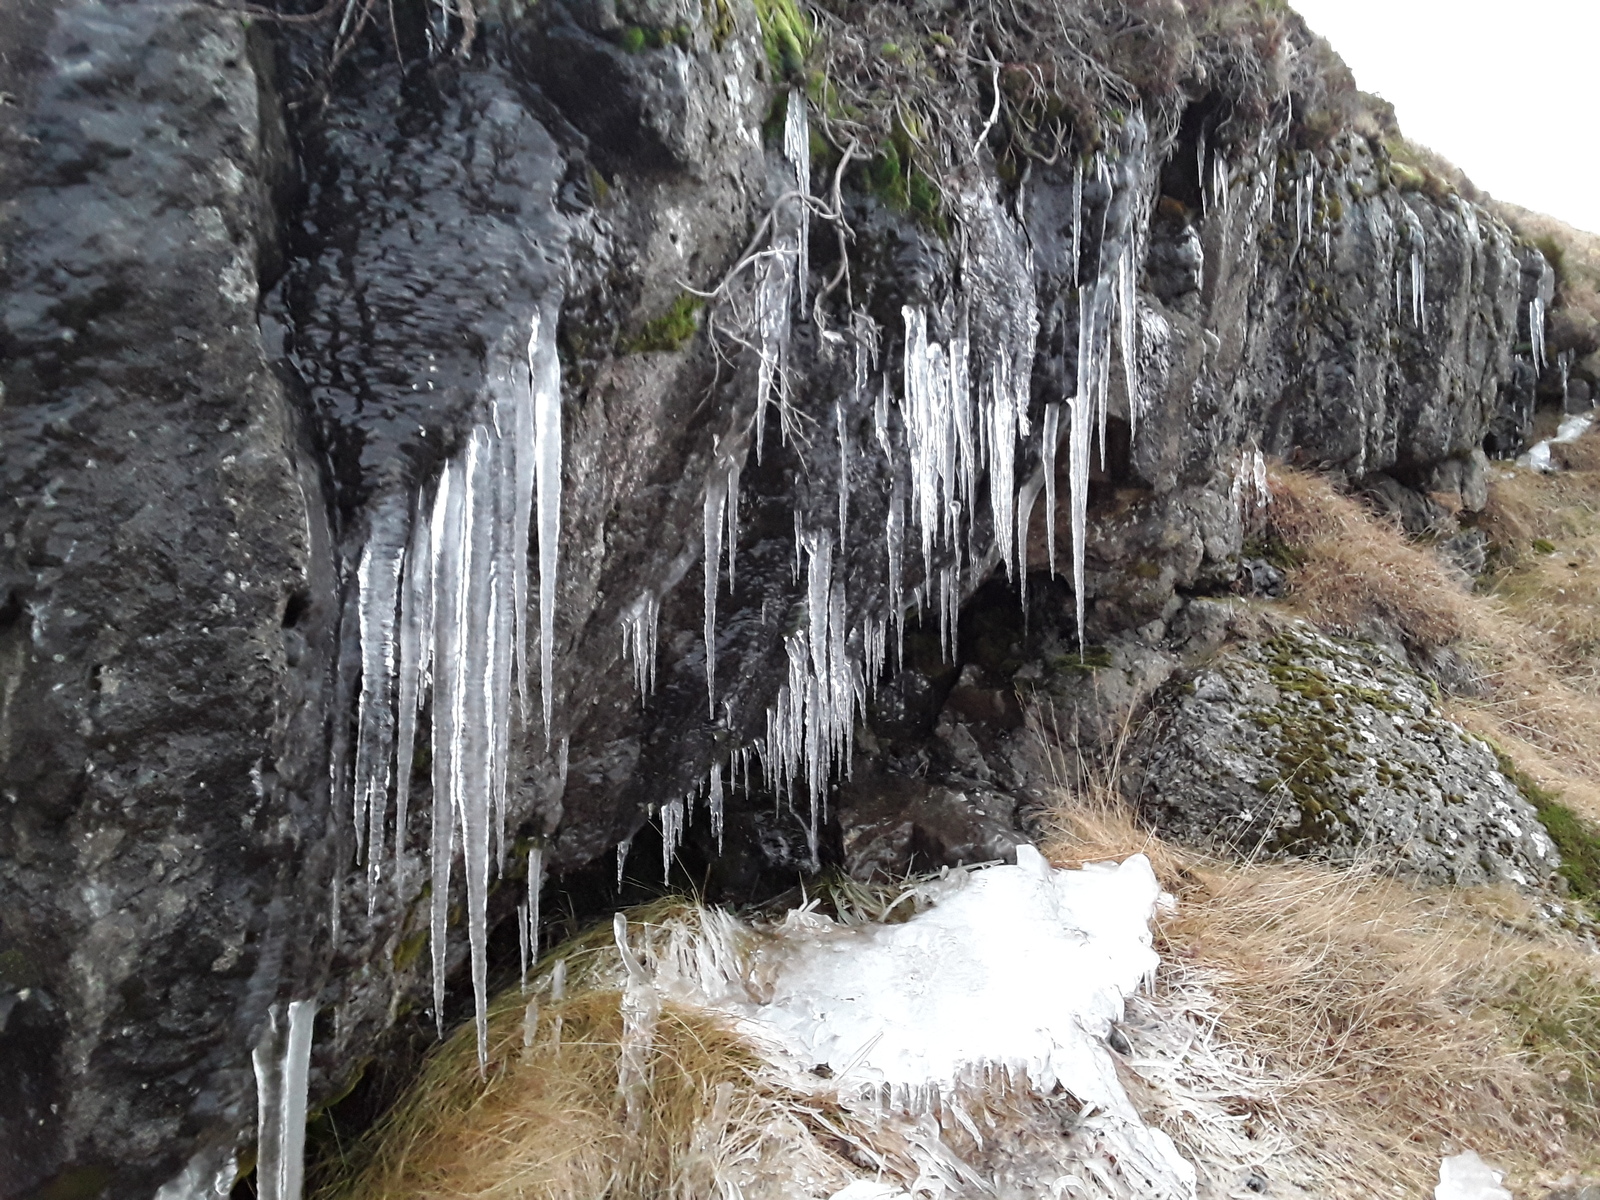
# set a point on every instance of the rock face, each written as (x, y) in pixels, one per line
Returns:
(1306, 744)
(241, 339)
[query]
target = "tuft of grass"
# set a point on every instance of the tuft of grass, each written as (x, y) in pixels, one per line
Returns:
(1348, 566)
(546, 1120)
(1388, 1021)
(671, 329)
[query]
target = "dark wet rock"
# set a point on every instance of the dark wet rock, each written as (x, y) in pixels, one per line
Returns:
(165, 588)
(1462, 482)
(1418, 513)
(1258, 577)
(1334, 749)
(1579, 397)
(893, 826)
(1201, 626)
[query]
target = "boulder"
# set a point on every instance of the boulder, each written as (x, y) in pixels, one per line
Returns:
(1335, 749)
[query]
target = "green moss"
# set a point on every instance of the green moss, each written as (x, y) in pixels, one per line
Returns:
(633, 39)
(16, 971)
(1406, 177)
(76, 1183)
(409, 948)
(1560, 1025)
(785, 35)
(1311, 684)
(894, 179)
(671, 329)
(1093, 658)
(1576, 840)
(718, 15)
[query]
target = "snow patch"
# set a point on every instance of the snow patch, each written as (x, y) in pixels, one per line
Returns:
(1571, 429)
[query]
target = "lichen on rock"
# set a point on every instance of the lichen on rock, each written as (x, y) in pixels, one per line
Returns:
(1305, 744)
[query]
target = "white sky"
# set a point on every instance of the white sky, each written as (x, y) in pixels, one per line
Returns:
(1508, 90)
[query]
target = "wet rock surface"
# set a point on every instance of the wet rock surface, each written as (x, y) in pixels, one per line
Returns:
(242, 329)
(1335, 749)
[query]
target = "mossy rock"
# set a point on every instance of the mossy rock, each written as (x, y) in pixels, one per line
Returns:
(672, 329)
(1308, 745)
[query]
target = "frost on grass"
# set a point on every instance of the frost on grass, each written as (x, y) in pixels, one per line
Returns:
(987, 1008)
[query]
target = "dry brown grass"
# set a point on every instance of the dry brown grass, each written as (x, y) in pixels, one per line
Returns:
(1397, 1024)
(547, 1121)
(1358, 567)
(1534, 636)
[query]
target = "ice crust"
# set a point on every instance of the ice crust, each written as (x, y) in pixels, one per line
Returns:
(1015, 971)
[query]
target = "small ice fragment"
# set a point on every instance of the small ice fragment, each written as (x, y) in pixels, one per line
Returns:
(1465, 1176)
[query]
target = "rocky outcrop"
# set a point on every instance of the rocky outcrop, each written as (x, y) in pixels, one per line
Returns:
(242, 339)
(1311, 745)
(162, 589)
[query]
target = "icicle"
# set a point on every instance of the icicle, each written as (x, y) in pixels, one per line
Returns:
(1077, 221)
(535, 886)
(449, 602)
(895, 548)
(640, 624)
(716, 496)
(1000, 421)
(844, 473)
(522, 946)
(671, 835)
(473, 796)
(716, 803)
(1026, 496)
(1418, 288)
(546, 370)
(1128, 331)
(378, 586)
(1052, 438)
(622, 858)
(281, 1092)
(1536, 333)
(1083, 404)
(797, 149)
(416, 655)
(530, 1022)
(731, 464)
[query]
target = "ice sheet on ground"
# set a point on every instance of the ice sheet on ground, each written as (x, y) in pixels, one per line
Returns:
(1467, 1177)
(1021, 968)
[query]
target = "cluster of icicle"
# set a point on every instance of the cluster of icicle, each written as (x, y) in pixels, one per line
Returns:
(442, 605)
(958, 421)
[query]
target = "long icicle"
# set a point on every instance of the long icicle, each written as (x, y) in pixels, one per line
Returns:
(546, 374)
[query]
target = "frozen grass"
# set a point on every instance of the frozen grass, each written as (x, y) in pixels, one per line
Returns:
(547, 1121)
(1385, 1025)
